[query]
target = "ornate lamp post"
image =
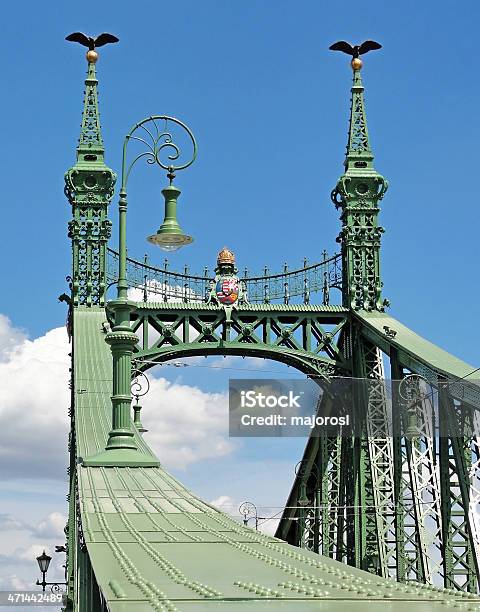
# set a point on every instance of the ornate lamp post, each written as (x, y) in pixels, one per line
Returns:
(249, 510)
(43, 561)
(154, 134)
(140, 386)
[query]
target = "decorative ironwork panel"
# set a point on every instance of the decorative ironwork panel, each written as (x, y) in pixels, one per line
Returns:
(305, 338)
(295, 286)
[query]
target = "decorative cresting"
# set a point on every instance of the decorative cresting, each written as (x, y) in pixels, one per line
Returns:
(357, 194)
(121, 449)
(89, 187)
(291, 286)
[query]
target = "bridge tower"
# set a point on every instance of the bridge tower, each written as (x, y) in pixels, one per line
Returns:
(89, 187)
(391, 503)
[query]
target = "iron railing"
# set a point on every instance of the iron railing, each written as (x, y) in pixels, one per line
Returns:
(289, 286)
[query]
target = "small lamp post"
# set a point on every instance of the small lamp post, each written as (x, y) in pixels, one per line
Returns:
(249, 510)
(43, 561)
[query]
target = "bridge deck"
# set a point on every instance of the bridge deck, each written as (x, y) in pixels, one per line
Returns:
(153, 545)
(415, 346)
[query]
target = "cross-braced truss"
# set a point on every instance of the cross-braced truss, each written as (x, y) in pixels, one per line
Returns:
(302, 336)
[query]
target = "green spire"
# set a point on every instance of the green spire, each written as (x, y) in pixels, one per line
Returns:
(90, 144)
(359, 153)
(89, 186)
(357, 194)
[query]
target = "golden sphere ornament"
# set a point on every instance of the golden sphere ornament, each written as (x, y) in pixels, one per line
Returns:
(92, 56)
(357, 63)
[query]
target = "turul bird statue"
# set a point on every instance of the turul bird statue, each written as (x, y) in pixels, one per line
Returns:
(355, 50)
(90, 42)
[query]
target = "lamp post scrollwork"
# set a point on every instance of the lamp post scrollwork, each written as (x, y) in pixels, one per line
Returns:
(155, 134)
(139, 387)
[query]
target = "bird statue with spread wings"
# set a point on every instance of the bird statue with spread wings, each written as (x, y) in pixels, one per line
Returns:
(355, 50)
(92, 43)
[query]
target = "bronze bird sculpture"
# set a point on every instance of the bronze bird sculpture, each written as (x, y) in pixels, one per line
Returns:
(355, 50)
(90, 42)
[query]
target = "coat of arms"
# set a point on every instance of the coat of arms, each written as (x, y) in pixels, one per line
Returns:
(227, 289)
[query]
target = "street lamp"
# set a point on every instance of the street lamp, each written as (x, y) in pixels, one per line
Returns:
(249, 510)
(43, 561)
(153, 133)
(169, 236)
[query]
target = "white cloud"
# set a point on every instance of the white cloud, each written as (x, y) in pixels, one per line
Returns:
(156, 292)
(10, 337)
(51, 526)
(247, 363)
(10, 523)
(12, 582)
(185, 423)
(22, 542)
(224, 502)
(34, 407)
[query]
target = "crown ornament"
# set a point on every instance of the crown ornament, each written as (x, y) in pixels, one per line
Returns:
(225, 257)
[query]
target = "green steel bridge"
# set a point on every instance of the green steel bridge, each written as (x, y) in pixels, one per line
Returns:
(373, 522)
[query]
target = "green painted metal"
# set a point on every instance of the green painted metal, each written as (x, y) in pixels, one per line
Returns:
(302, 336)
(122, 448)
(138, 540)
(289, 286)
(152, 544)
(89, 186)
(357, 194)
(425, 494)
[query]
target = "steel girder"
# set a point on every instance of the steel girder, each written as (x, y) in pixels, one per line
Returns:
(305, 337)
(378, 453)
(459, 480)
(417, 495)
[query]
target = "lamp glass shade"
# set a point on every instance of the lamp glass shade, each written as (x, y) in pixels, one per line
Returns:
(169, 241)
(43, 562)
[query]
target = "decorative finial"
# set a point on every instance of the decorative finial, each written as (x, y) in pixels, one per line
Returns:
(92, 43)
(355, 50)
(225, 257)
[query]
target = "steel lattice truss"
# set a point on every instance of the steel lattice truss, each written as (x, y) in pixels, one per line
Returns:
(305, 338)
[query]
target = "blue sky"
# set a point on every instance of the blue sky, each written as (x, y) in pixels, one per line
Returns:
(269, 105)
